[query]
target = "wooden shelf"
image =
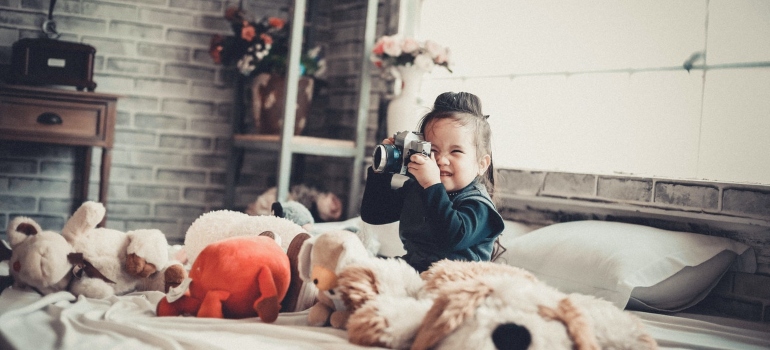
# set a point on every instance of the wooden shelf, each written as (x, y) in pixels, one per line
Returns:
(287, 144)
(299, 144)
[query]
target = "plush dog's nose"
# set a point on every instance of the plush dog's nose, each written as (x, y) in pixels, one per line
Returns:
(315, 281)
(510, 336)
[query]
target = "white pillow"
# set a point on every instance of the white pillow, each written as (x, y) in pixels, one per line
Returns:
(627, 264)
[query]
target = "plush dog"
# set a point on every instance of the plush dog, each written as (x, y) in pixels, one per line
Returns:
(485, 305)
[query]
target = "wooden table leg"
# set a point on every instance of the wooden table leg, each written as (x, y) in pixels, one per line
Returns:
(104, 180)
(85, 175)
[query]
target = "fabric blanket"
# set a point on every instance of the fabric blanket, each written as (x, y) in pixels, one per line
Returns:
(62, 321)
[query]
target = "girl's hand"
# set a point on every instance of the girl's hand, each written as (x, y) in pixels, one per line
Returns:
(389, 141)
(424, 169)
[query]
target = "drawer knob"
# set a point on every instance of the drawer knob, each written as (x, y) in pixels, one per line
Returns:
(49, 118)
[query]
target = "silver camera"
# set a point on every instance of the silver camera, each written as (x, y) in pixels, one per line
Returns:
(395, 158)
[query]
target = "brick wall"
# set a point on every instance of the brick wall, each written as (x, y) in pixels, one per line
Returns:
(175, 115)
(737, 211)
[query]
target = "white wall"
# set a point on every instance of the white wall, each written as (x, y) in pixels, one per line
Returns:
(598, 86)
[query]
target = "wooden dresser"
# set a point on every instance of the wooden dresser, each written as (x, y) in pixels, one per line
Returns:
(64, 117)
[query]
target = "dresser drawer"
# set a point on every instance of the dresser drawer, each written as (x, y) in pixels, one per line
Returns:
(66, 121)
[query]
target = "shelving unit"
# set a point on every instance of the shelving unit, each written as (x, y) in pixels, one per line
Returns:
(287, 144)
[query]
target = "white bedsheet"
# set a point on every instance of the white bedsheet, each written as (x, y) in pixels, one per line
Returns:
(29, 321)
(61, 321)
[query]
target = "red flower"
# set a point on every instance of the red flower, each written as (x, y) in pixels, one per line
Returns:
(266, 38)
(379, 48)
(276, 22)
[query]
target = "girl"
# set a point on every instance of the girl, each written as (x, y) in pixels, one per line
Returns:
(445, 211)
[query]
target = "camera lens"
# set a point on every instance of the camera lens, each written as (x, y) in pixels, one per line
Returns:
(386, 159)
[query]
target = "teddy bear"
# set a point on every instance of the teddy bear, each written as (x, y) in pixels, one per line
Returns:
(484, 305)
(295, 212)
(38, 258)
(236, 277)
(220, 224)
(321, 258)
(90, 261)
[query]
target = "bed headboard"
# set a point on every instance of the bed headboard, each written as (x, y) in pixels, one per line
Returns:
(737, 211)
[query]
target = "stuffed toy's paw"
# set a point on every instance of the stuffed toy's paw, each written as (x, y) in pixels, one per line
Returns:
(173, 276)
(137, 266)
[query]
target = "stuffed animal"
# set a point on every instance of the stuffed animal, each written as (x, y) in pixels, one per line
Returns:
(237, 277)
(38, 259)
(483, 305)
(89, 261)
(321, 258)
(220, 224)
(294, 211)
(324, 206)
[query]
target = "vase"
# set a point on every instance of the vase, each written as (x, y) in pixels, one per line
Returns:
(402, 109)
(268, 98)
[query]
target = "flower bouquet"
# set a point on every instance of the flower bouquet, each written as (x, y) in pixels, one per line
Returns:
(260, 50)
(408, 59)
(395, 51)
(261, 47)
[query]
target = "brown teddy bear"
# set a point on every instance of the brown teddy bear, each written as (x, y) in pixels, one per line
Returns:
(321, 258)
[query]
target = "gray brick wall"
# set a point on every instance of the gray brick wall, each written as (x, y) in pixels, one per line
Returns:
(736, 211)
(175, 114)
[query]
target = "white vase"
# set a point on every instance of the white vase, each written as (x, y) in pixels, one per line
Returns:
(403, 109)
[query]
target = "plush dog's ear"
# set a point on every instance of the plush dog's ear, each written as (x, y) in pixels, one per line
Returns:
(578, 325)
(303, 259)
(357, 285)
(449, 310)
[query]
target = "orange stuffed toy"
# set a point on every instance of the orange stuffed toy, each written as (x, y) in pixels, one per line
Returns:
(237, 277)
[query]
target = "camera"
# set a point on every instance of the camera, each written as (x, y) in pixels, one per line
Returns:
(395, 158)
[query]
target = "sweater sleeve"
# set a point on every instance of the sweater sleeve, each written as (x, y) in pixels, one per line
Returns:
(380, 204)
(468, 223)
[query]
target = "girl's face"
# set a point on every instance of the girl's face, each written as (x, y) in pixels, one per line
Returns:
(454, 147)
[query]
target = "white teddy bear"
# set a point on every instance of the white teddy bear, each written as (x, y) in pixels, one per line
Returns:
(90, 261)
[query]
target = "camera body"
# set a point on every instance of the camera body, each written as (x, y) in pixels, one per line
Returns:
(394, 158)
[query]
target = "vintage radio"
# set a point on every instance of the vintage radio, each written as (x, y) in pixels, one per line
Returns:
(42, 61)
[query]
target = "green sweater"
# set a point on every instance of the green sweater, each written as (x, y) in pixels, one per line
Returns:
(434, 224)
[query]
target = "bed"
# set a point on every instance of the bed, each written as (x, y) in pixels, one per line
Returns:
(63, 321)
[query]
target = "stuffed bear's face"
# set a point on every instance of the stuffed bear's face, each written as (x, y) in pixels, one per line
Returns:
(40, 261)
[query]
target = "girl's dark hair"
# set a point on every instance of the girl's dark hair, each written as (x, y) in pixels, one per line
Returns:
(465, 108)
